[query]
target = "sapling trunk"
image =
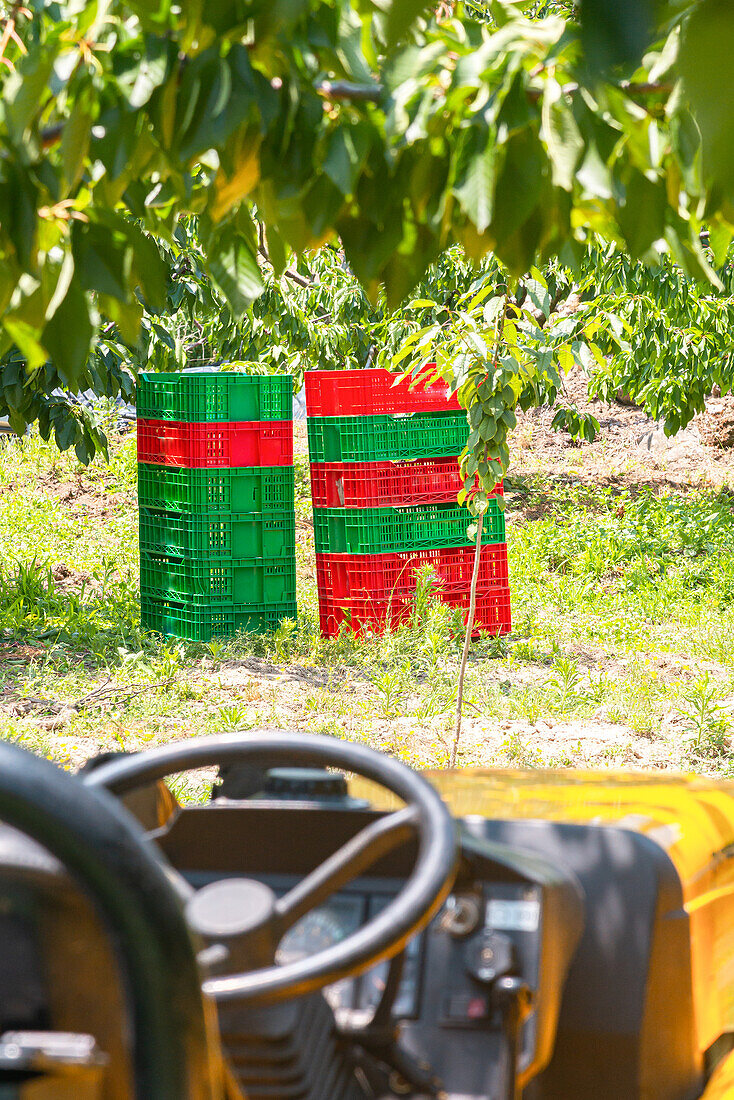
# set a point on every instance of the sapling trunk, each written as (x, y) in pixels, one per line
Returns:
(499, 336)
(467, 640)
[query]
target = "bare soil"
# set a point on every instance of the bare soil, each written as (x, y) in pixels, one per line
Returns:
(631, 450)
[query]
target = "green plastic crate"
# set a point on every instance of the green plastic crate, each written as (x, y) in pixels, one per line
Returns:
(239, 489)
(212, 581)
(229, 534)
(201, 624)
(396, 530)
(396, 438)
(214, 395)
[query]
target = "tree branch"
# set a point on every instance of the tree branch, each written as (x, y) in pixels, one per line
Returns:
(289, 273)
(634, 91)
(297, 278)
(52, 135)
(338, 90)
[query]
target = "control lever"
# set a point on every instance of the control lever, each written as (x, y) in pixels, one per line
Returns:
(386, 1066)
(492, 960)
(490, 956)
(514, 999)
(378, 1040)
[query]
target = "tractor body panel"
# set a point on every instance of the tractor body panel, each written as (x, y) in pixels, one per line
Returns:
(689, 818)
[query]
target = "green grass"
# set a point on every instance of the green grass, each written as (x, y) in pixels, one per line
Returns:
(623, 607)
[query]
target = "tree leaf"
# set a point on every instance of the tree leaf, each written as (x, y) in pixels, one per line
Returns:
(342, 163)
(67, 336)
(642, 216)
(23, 92)
(492, 309)
(148, 268)
(519, 183)
(217, 96)
(103, 260)
(234, 268)
(277, 251)
(125, 315)
(141, 73)
(474, 186)
(538, 295)
(477, 299)
(18, 199)
(76, 136)
(65, 432)
(562, 136)
(616, 34)
(114, 256)
(401, 14)
(564, 358)
(234, 186)
(25, 336)
(721, 238)
(152, 13)
(707, 48)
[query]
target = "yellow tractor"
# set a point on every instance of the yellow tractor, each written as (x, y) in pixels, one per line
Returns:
(334, 926)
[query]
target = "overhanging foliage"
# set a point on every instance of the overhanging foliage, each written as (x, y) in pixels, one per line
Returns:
(400, 133)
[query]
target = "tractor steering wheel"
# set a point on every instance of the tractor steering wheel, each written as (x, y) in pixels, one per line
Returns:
(105, 850)
(263, 918)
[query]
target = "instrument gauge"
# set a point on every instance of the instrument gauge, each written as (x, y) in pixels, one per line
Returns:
(315, 932)
(318, 930)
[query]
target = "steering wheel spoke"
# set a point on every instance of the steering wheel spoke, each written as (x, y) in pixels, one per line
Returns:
(353, 859)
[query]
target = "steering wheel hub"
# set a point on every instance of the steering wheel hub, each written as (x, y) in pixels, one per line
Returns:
(239, 915)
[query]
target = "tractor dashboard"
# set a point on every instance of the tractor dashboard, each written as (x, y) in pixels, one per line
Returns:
(543, 958)
(469, 986)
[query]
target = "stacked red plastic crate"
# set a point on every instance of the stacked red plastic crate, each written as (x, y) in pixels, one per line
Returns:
(384, 480)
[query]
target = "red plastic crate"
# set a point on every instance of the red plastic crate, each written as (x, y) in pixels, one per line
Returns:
(493, 612)
(375, 392)
(386, 484)
(393, 576)
(246, 443)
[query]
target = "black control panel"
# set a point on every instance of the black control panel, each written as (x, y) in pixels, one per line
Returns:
(450, 1014)
(496, 931)
(481, 954)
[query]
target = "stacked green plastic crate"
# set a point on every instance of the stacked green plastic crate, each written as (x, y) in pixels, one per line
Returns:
(217, 517)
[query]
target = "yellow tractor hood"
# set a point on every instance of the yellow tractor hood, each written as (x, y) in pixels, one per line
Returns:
(690, 817)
